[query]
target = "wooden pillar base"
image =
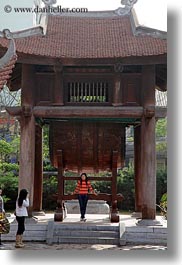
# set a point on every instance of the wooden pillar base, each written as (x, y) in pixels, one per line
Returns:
(114, 217)
(38, 213)
(60, 214)
(114, 214)
(60, 211)
(148, 213)
(148, 222)
(136, 215)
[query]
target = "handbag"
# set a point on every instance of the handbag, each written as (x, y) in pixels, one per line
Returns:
(4, 224)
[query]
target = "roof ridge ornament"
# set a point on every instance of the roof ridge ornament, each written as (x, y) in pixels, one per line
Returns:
(49, 2)
(6, 33)
(10, 56)
(128, 5)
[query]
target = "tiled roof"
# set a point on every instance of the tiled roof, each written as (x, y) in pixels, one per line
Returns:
(6, 71)
(90, 37)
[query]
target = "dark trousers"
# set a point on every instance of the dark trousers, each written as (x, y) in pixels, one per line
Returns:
(21, 224)
(83, 199)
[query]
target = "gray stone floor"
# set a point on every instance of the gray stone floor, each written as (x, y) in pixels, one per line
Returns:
(127, 219)
(41, 246)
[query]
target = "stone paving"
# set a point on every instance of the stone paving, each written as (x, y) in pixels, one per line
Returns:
(42, 246)
(31, 245)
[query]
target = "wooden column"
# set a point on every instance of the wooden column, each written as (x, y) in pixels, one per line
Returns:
(27, 134)
(58, 96)
(137, 168)
(27, 156)
(38, 172)
(148, 156)
(114, 210)
(60, 213)
(148, 169)
(117, 97)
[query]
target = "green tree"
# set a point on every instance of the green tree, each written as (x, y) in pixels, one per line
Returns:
(5, 150)
(161, 128)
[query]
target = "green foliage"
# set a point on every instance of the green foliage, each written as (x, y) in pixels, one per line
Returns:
(161, 128)
(125, 186)
(163, 204)
(161, 182)
(46, 142)
(49, 191)
(15, 144)
(161, 147)
(7, 167)
(49, 167)
(9, 185)
(5, 150)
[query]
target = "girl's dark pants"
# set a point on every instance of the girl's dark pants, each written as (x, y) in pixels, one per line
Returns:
(21, 224)
(83, 199)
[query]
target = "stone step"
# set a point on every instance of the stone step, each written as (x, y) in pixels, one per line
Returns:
(86, 233)
(85, 240)
(146, 241)
(82, 233)
(86, 226)
(146, 235)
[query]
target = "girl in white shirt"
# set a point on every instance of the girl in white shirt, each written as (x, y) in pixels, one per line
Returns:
(21, 212)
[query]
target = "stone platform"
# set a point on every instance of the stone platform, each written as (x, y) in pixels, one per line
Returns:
(96, 230)
(93, 207)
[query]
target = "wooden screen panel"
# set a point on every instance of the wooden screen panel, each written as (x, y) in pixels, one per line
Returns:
(87, 146)
(44, 88)
(131, 89)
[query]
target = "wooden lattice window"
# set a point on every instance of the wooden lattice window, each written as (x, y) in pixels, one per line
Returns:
(87, 92)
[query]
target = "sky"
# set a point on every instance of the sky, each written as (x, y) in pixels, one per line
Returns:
(150, 13)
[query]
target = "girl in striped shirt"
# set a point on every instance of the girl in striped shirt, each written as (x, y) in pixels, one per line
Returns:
(82, 189)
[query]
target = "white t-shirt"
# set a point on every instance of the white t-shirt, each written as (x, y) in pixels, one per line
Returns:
(22, 211)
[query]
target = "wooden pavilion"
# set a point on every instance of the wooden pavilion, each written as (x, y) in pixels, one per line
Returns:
(89, 78)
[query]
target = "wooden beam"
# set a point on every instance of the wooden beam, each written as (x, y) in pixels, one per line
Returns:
(43, 60)
(87, 112)
(100, 196)
(14, 111)
(160, 112)
(90, 178)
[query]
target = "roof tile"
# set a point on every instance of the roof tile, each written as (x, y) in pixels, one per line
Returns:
(76, 37)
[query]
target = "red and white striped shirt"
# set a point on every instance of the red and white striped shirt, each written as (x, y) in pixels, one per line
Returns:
(83, 188)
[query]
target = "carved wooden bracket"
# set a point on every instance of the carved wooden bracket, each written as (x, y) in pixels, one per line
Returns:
(58, 68)
(149, 111)
(27, 111)
(118, 67)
